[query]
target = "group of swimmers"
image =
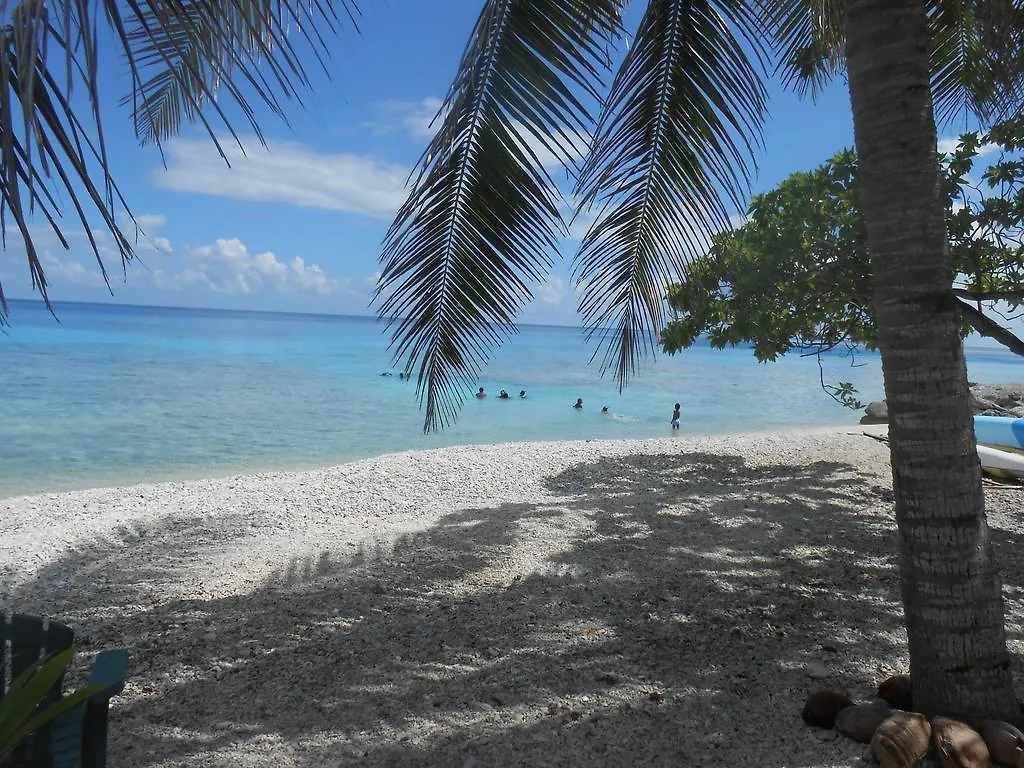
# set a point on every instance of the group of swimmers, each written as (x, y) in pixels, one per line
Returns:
(578, 405)
(503, 395)
(676, 413)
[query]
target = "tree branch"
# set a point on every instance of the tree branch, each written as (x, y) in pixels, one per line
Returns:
(963, 293)
(986, 326)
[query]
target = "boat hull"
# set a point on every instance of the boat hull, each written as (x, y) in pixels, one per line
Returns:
(999, 431)
(1001, 463)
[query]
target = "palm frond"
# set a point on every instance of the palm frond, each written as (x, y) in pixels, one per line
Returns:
(179, 52)
(673, 150)
(482, 221)
(44, 143)
(51, 150)
(977, 58)
(807, 36)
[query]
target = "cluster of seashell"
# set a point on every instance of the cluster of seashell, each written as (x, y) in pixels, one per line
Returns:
(900, 737)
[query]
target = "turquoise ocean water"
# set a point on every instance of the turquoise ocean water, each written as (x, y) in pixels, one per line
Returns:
(111, 395)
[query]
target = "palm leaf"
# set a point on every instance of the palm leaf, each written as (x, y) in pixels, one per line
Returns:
(180, 51)
(43, 142)
(976, 59)
(675, 142)
(482, 221)
(807, 36)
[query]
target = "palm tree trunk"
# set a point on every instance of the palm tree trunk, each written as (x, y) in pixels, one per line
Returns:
(952, 597)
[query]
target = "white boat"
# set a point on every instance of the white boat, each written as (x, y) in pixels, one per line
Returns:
(1001, 463)
(1000, 431)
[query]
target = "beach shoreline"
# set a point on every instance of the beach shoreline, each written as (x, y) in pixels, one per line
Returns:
(595, 602)
(265, 467)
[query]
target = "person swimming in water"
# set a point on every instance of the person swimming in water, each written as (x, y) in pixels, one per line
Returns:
(579, 403)
(503, 395)
(522, 394)
(605, 411)
(480, 394)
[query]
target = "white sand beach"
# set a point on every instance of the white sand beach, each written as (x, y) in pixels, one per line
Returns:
(660, 603)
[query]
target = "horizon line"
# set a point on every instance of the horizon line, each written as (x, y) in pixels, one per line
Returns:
(56, 303)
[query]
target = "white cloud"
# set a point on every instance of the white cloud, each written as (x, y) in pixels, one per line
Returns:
(150, 222)
(72, 271)
(414, 118)
(286, 172)
(551, 291)
(145, 227)
(225, 267)
(228, 266)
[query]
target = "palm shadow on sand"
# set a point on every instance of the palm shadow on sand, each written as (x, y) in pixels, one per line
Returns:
(700, 591)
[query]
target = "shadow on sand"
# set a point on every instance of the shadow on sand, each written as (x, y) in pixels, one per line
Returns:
(672, 626)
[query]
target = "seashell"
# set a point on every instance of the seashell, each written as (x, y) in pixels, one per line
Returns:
(860, 721)
(901, 739)
(957, 745)
(823, 706)
(1005, 742)
(898, 692)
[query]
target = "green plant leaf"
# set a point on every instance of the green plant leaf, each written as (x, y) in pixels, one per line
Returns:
(482, 222)
(20, 713)
(672, 152)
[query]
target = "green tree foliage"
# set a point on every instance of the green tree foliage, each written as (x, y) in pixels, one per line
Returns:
(797, 275)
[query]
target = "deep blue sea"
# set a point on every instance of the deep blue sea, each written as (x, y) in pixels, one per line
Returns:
(111, 395)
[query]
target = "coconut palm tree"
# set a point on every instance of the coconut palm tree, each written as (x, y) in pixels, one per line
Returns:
(672, 150)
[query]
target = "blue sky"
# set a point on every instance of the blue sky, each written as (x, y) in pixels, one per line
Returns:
(297, 226)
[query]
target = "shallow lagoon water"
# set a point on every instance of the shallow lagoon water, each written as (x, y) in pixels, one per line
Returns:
(112, 395)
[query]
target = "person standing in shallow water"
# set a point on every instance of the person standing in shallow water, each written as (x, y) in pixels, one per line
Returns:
(480, 394)
(675, 417)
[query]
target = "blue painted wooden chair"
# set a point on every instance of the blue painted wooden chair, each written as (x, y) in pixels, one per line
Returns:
(78, 737)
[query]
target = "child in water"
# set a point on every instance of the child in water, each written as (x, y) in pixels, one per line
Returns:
(675, 417)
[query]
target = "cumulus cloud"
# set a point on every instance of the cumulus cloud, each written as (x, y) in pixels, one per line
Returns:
(412, 118)
(551, 291)
(151, 221)
(286, 172)
(72, 271)
(227, 266)
(145, 227)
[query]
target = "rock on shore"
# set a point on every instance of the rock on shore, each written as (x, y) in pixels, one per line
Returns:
(998, 399)
(986, 399)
